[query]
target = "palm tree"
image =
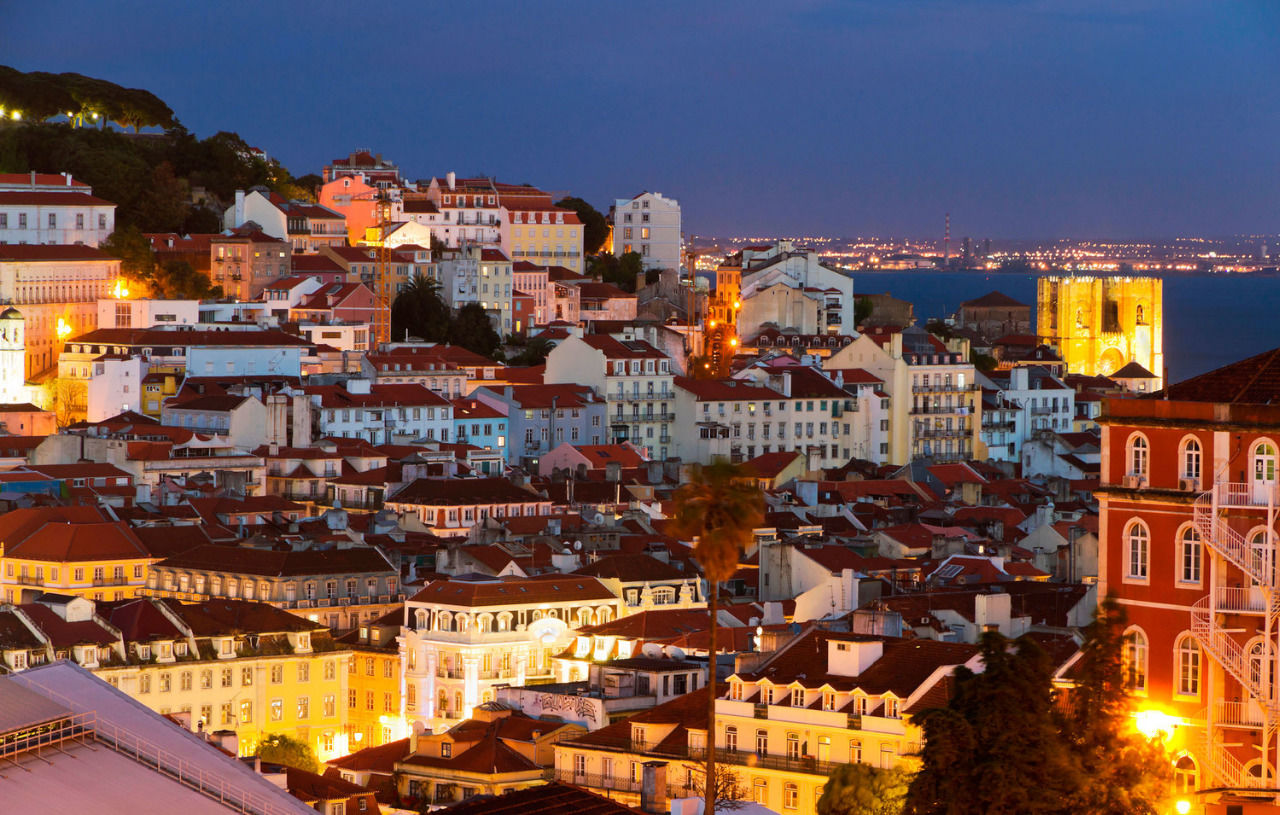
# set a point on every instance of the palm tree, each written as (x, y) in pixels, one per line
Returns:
(720, 507)
(421, 311)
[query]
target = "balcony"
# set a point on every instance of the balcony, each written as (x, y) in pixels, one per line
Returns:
(742, 758)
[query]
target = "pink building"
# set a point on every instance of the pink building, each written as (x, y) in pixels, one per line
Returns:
(354, 199)
(605, 301)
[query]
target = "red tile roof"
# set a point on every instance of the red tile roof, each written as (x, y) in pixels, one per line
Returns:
(42, 252)
(513, 590)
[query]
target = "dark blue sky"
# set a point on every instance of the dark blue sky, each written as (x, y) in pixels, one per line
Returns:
(1023, 118)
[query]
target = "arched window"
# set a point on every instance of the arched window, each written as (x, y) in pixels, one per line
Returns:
(1187, 664)
(1189, 551)
(1262, 561)
(1140, 317)
(1190, 460)
(1264, 470)
(1135, 659)
(1186, 775)
(731, 739)
(790, 796)
(421, 616)
(1259, 665)
(1137, 455)
(1138, 546)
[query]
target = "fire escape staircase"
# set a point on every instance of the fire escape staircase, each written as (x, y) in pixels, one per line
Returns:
(1262, 713)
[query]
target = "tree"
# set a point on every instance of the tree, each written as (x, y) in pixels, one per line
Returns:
(473, 330)
(419, 311)
(177, 280)
(595, 227)
(630, 266)
(1126, 772)
(999, 747)
(534, 352)
(164, 205)
(862, 310)
(1003, 744)
(730, 792)
(137, 259)
(721, 507)
(861, 789)
(281, 749)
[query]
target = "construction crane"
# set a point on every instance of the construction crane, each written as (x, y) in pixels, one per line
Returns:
(381, 284)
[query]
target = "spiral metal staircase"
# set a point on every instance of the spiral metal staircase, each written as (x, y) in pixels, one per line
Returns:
(1215, 623)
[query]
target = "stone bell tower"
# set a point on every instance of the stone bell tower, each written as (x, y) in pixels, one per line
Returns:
(13, 349)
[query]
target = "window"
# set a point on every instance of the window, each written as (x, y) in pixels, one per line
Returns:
(246, 712)
(1135, 659)
(330, 705)
(304, 672)
(277, 710)
(304, 707)
(731, 738)
(762, 742)
(891, 708)
(1136, 456)
(1138, 542)
(144, 683)
(760, 790)
(797, 697)
(1186, 776)
(277, 674)
(206, 680)
(1189, 540)
(1191, 459)
(226, 677)
(246, 676)
(855, 751)
(793, 745)
(1187, 662)
(790, 796)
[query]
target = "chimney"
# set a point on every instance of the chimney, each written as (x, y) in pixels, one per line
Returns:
(613, 471)
(33, 179)
(653, 787)
(68, 175)
(452, 178)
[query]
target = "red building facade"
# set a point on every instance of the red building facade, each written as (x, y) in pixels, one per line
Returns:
(1189, 499)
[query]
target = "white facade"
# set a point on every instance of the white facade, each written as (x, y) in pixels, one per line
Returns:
(455, 652)
(803, 270)
(147, 313)
(1031, 400)
(115, 386)
(479, 275)
(648, 224)
(244, 360)
(68, 216)
(382, 414)
(635, 379)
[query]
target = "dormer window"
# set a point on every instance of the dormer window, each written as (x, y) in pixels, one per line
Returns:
(180, 648)
(735, 691)
(446, 749)
(891, 708)
(637, 737)
(829, 700)
(797, 697)
(144, 652)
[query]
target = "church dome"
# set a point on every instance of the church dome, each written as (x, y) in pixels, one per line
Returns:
(11, 313)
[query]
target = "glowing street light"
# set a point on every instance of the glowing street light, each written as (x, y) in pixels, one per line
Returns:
(63, 329)
(120, 291)
(1153, 723)
(1183, 806)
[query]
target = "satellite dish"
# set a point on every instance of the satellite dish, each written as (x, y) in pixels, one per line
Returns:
(675, 652)
(651, 649)
(577, 545)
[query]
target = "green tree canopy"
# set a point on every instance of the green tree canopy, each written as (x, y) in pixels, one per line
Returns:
(472, 329)
(861, 789)
(137, 260)
(281, 749)
(420, 312)
(534, 352)
(1003, 744)
(595, 227)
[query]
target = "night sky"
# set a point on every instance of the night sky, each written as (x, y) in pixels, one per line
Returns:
(1035, 119)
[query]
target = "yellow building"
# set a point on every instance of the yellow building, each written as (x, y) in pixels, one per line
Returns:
(227, 665)
(72, 550)
(374, 706)
(1100, 324)
(790, 715)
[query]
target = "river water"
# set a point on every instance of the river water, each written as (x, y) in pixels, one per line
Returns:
(1209, 320)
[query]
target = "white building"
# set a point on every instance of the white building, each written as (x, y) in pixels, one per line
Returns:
(648, 224)
(1030, 399)
(147, 313)
(381, 414)
(475, 274)
(56, 288)
(783, 264)
(635, 379)
(462, 637)
(47, 208)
